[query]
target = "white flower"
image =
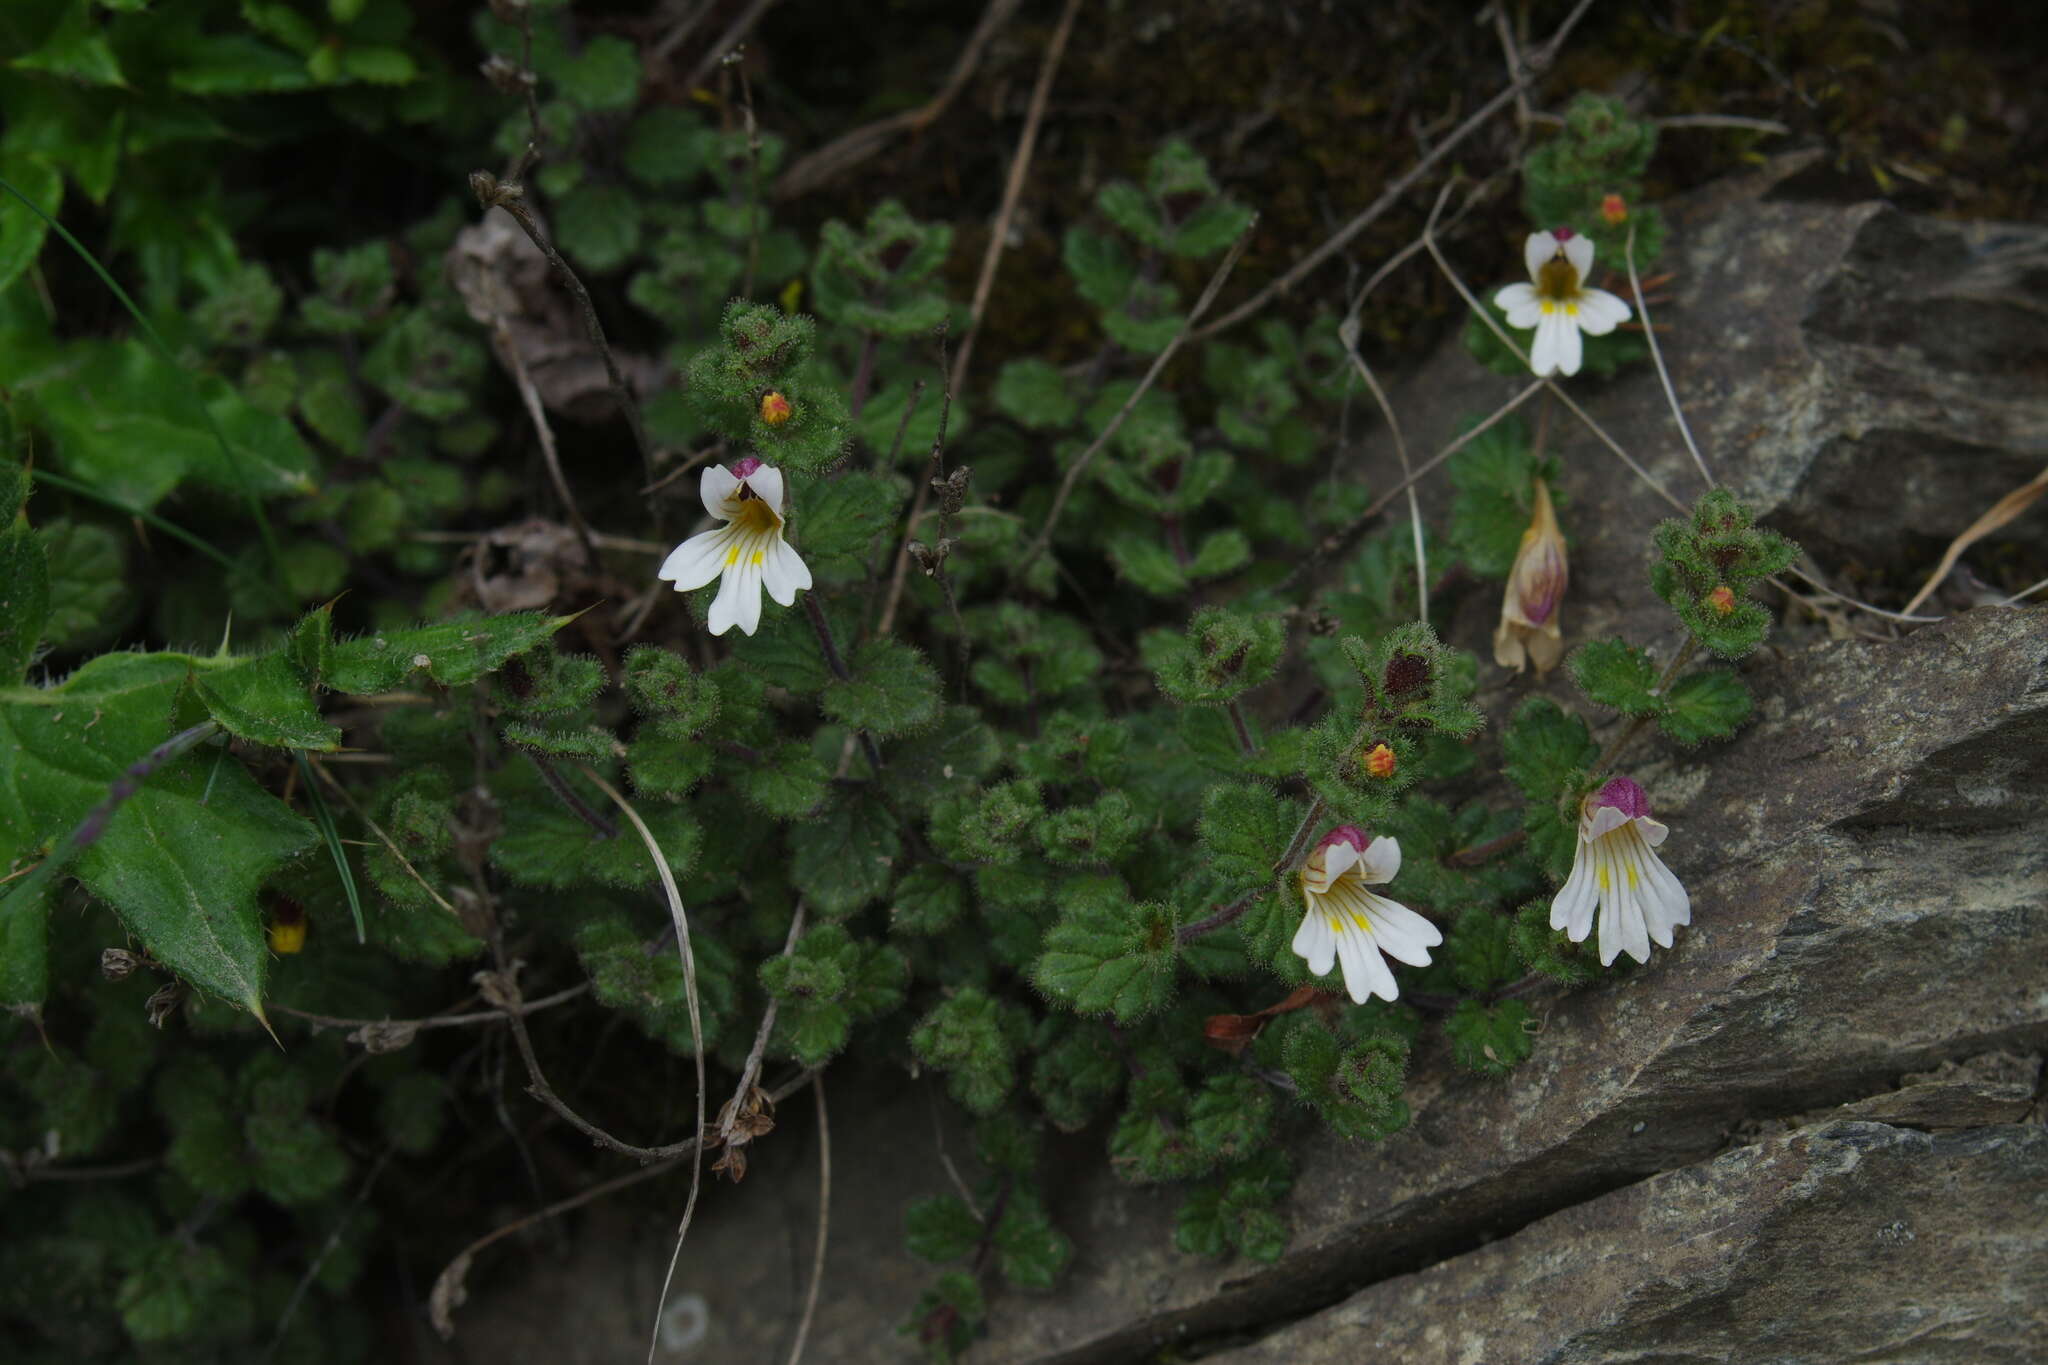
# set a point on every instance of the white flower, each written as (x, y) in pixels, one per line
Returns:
(748, 550)
(1529, 629)
(1558, 305)
(1346, 921)
(1640, 901)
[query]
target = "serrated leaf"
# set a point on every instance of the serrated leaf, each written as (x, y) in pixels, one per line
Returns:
(893, 690)
(784, 653)
(1710, 704)
(24, 595)
(1244, 827)
(265, 700)
(1101, 268)
(1490, 1040)
(845, 857)
(941, 1228)
(1543, 747)
(786, 783)
(1222, 552)
(1030, 1251)
(89, 594)
(1480, 952)
(837, 521)
(21, 230)
(1231, 1117)
(949, 759)
(1616, 674)
(75, 50)
(599, 226)
(451, 653)
(1034, 394)
(1109, 955)
(1148, 565)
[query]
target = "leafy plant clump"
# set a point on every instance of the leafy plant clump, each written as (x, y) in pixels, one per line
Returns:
(373, 813)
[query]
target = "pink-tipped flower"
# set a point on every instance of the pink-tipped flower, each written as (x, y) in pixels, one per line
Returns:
(1558, 304)
(1617, 871)
(1349, 923)
(1530, 609)
(748, 550)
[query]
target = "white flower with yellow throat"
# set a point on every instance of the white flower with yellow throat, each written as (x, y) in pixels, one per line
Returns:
(747, 552)
(1558, 304)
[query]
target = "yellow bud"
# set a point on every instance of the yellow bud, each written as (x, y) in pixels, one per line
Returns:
(1614, 209)
(1380, 761)
(1722, 600)
(774, 408)
(288, 936)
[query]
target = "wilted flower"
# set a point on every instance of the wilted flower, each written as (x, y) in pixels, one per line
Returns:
(748, 550)
(1530, 608)
(1559, 305)
(1640, 901)
(1345, 921)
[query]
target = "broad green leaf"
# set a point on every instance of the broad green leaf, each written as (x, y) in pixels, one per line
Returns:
(75, 50)
(22, 230)
(451, 653)
(1108, 954)
(265, 701)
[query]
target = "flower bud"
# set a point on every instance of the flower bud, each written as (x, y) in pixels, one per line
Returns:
(774, 408)
(1529, 610)
(287, 926)
(1721, 601)
(1614, 210)
(1380, 762)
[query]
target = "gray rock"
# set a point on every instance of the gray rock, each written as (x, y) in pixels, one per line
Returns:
(1842, 1241)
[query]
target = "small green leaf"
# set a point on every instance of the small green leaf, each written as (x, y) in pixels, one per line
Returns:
(1710, 704)
(1480, 953)
(786, 783)
(89, 593)
(1108, 954)
(846, 856)
(599, 226)
(76, 50)
(1101, 268)
(1616, 674)
(892, 690)
(451, 653)
(265, 700)
(1030, 1251)
(1490, 1040)
(22, 229)
(1148, 565)
(24, 594)
(1034, 394)
(1231, 1117)
(606, 75)
(941, 1228)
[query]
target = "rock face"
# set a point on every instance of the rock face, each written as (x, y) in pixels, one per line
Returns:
(1842, 1241)
(1869, 869)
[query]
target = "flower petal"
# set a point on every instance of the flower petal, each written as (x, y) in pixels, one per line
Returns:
(1546, 352)
(1381, 861)
(1537, 251)
(1611, 933)
(1572, 910)
(1365, 971)
(739, 599)
(1329, 862)
(1401, 933)
(1579, 251)
(782, 572)
(1601, 312)
(1316, 941)
(768, 487)
(1653, 831)
(1566, 349)
(697, 560)
(1520, 303)
(1602, 822)
(717, 487)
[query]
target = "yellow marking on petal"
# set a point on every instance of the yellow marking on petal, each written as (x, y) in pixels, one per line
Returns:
(1336, 923)
(1548, 307)
(757, 556)
(1362, 922)
(1571, 310)
(732, 556)
(1600, 875)
(1631, 876)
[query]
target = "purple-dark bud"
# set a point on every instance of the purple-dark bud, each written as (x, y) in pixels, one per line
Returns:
(744, 467)
(1346, 834)
(1625, 796)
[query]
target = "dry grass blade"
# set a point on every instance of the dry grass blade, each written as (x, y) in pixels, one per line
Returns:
(1635, 284)
(1013, 189)
(1999, 514)
(848, 150)
(803, 1327)
(1080, 466)
(682, 923)
(1538, 62)
(1348, 334)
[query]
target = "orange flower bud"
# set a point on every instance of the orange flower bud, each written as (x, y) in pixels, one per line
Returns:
(1722, 600)
(1529, 610)
(1614, 209)
(775, 408)
(1380, 761)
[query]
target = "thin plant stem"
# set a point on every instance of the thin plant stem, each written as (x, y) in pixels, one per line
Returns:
(1348, 334)
(803, 1327)
(1635, 284)
(1538, 62)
